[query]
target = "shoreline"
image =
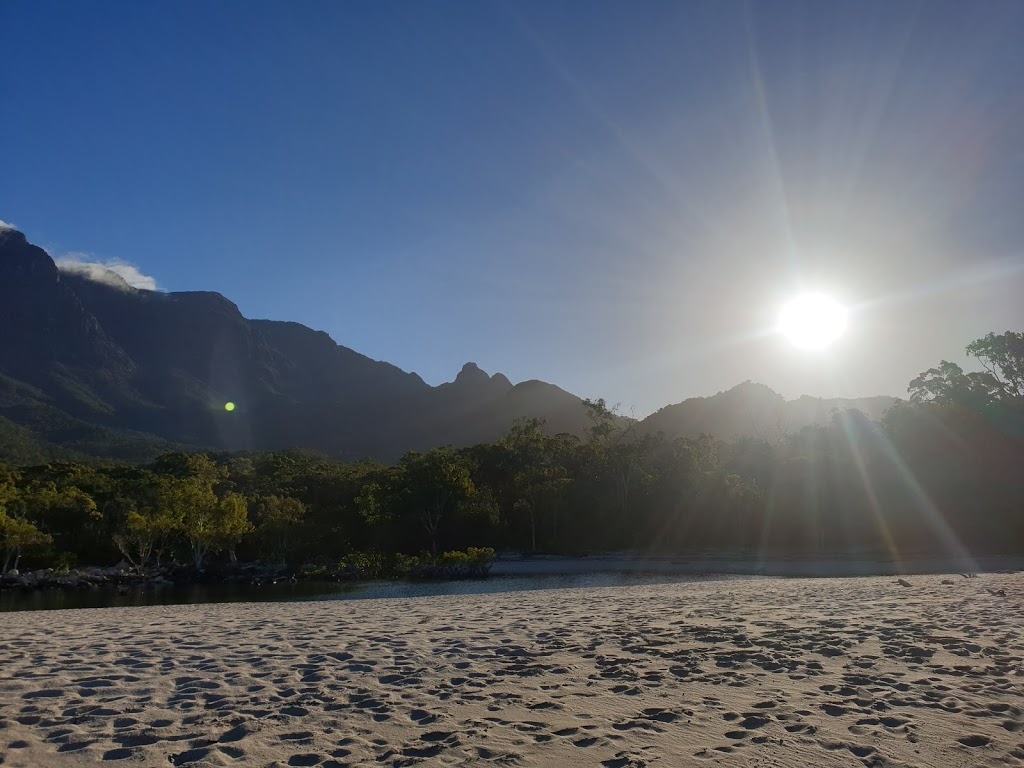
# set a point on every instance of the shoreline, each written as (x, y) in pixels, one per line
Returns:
(554, 565)
(517, 565)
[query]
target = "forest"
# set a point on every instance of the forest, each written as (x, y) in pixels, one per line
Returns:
(940, 474)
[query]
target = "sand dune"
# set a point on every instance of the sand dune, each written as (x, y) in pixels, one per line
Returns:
(746, 672)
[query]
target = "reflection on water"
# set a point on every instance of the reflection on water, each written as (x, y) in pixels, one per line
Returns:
(233, 593)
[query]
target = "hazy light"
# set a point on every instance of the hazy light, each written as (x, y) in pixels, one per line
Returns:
(812, 321)
(229, 406)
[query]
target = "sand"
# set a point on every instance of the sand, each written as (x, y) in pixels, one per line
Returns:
(753, 672)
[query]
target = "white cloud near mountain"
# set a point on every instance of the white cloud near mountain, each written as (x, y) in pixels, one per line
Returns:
(114, 272)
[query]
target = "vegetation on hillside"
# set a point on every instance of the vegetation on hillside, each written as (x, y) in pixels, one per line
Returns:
(939, 475)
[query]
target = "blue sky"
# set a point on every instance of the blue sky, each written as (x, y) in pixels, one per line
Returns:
(611, 196)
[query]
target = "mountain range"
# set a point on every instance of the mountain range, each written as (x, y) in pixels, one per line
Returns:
(90, 365)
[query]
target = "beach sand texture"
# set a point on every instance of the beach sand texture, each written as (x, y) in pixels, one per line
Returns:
(759, 672)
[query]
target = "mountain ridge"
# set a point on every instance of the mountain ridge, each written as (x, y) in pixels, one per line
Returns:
(85, 348)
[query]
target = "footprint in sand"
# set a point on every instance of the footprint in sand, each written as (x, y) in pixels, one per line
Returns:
(624, 761)
(975, 740)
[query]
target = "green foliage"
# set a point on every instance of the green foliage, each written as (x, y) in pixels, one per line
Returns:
(232, 522)
(539, 478)
(188, 502)
(145, 534)
(432, 486)
(364, 565)
(57, 504)
(940, 475)
(19, 536)
(947, 384)
(475, 562)
(277, 518)
(64, 562)
(1002, 357)
(371, 505)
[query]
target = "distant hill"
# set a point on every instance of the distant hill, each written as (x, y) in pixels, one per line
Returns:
(754, 410)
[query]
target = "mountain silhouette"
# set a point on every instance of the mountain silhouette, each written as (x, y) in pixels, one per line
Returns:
(755, 410)
(92, 365)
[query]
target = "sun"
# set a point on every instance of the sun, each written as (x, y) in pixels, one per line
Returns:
(812, 321)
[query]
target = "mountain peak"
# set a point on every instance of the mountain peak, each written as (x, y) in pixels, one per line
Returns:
(751, 409)
(753, 390)
(474, 381)
(471, 373)
(24, 259)
(7, 232)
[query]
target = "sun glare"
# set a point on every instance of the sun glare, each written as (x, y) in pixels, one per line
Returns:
(812, 321)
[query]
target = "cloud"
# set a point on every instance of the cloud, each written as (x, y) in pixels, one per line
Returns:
(6, 225)
(115, 273)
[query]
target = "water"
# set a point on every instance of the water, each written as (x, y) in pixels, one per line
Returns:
(232, 593)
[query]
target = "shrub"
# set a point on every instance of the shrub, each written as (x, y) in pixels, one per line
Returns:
(474, 563)
(480, 560)
(363, 565)
(406, 566)
(65, 561)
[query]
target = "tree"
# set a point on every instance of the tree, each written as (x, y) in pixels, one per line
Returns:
(1002, 357)
(18, 536)
(139, 526)
(619, 448)
(8, 489)
(208, 523)
(192, 505)
(194, 496)
(145, 533)
(947, 384)
(434, 484)
(1002, 381)
(232, 522)
(537, 475)
(65, 512)
(276, 519)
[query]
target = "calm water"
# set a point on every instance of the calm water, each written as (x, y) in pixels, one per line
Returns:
(232, 593)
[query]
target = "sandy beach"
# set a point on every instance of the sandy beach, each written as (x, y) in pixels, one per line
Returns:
(758, 672)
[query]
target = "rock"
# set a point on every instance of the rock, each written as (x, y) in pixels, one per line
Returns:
(14, 572)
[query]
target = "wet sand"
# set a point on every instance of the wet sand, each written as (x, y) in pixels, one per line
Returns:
(782, 672)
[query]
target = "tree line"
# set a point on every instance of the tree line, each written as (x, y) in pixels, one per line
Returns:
(941, 474)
